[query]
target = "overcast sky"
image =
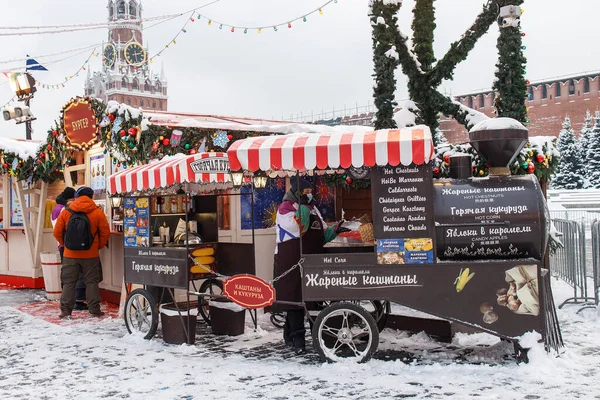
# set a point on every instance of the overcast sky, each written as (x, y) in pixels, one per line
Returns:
(318, 65)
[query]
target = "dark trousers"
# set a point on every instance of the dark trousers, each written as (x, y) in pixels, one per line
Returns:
(71, 268)
(80, 285)
(293, 329)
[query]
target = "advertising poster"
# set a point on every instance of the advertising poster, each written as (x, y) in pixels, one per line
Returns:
(98, 173)
(16, 211)
(136, 230)
(501, 297)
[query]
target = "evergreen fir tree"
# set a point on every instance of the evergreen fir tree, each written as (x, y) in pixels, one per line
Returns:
(568, 174)
(592, 166)
(510, 83)
(385, 63)
(584, 136)
(418, 60)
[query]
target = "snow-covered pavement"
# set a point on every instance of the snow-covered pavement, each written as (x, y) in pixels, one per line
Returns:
(99, 360)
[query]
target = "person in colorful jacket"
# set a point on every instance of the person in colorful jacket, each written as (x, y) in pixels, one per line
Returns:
(297, 217)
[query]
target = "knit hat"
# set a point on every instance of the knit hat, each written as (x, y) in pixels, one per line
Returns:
(84, 191)
(68, 193)
(304, 184)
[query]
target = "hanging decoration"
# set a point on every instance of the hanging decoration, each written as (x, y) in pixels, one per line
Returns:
(61, 84)
(237, 28)
(220, 138)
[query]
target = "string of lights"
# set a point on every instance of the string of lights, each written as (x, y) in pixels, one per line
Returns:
(240, 28)
(259, 28)
(68, 77)
(43, 56)
(53, 29)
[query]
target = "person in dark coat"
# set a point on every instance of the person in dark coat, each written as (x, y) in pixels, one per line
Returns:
(297, 217)
(68, 195)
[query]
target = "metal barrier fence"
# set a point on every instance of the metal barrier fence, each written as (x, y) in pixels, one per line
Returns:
(570, 262)
(595, 231)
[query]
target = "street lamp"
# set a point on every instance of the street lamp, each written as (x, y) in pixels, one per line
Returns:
(23, 84)
(237, 178)
(260, 180)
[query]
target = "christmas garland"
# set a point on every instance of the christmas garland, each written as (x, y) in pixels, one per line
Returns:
(540, 158)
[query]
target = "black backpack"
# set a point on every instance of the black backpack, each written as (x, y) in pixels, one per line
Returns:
(78, 235)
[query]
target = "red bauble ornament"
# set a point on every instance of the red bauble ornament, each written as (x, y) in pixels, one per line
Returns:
(122, 133)
(111, 117)
(49, 147)
(54, 133)
(447, 159)
(193, 151)
(229, 136)
(155, 146)
(436, 170)
(132, 131)
(5, 166)
(39, 161)
(42, 155)
(540, 158)
(349, 181)
(530, 168)
(166, 142)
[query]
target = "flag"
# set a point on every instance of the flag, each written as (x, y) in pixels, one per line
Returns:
(33, 65)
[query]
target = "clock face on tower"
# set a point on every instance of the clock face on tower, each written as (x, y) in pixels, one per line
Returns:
(135, 54)
(110, 54)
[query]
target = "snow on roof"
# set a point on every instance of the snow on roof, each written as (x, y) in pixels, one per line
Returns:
(497, 123)
(22, 148)
(182, 120)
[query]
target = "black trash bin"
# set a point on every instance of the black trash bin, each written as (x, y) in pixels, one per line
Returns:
(226, 317)
(174, 321)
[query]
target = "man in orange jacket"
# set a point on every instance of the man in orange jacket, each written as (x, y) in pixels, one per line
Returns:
(86, 261)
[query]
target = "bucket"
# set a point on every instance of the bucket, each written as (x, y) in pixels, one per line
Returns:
(226, 317)
(172, 326)
(51, 270)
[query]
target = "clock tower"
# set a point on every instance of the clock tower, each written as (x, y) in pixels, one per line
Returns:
(126, 76)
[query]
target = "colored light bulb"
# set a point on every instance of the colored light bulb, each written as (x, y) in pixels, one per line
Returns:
(232, 29)
(304, 19)
(524, 47)
(259, 30)
(275, 28)
(523, 34)
(320, 11)
(290, 25)
(246, 30)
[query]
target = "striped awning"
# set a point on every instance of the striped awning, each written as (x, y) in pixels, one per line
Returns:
(333, 150)
(198, 168)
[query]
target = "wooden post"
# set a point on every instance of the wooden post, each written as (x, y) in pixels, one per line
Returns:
(33, 217)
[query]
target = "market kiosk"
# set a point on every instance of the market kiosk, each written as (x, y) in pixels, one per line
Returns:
(465, 249)
(170, 235)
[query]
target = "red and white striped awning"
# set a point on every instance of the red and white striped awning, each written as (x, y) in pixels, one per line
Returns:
(198, 168)
(333, 150)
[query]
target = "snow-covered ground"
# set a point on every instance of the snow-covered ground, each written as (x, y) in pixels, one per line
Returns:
(99, 360)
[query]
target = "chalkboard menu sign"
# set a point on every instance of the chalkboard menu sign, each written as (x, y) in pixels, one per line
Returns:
(403, 214)
(156, 266)
(495, 217)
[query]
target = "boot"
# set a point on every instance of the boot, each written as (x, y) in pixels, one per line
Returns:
(299, 341)
(287, 338)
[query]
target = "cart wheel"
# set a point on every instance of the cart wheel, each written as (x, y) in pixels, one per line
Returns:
(278, 319)
(209, 286)
(377, 308)
(345, 330)
(141, 313)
